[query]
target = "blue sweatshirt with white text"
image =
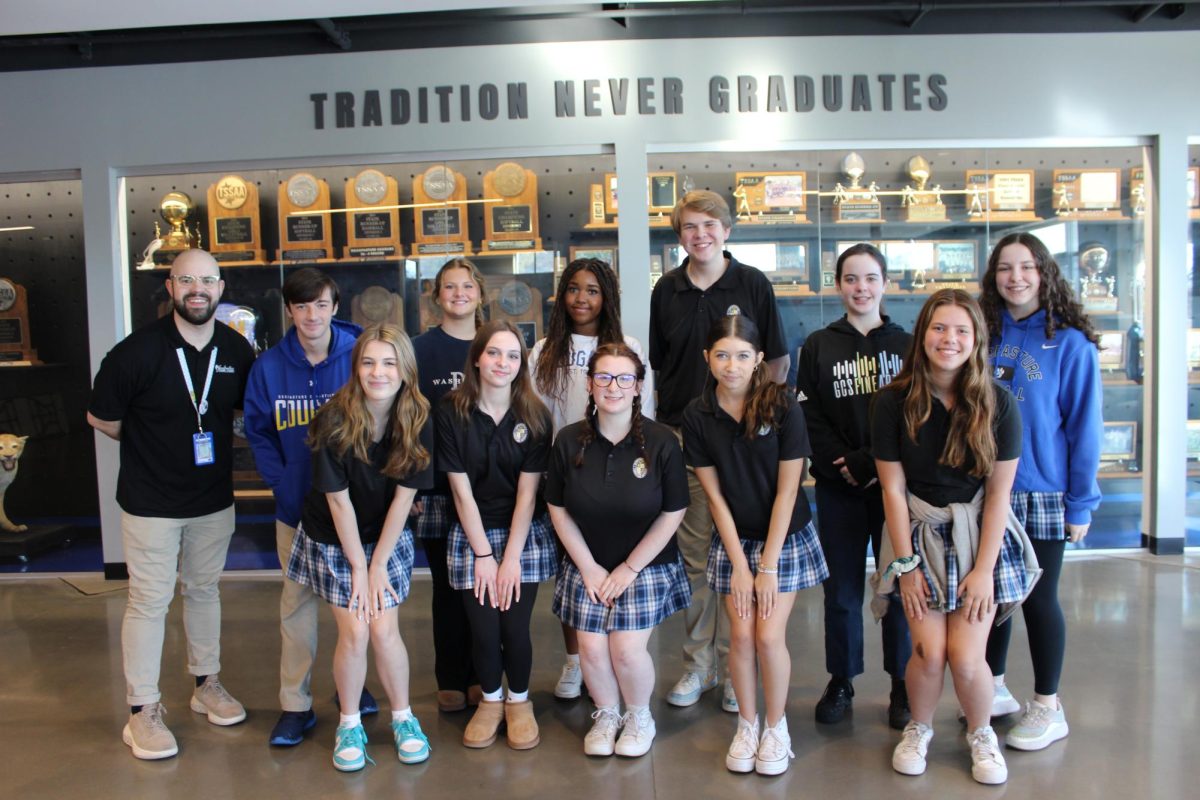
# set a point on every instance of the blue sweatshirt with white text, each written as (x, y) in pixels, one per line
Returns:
(1057, 384)
(282, 394)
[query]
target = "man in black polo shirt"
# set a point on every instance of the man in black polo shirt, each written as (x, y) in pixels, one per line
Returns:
(167, 393)
(708, 284)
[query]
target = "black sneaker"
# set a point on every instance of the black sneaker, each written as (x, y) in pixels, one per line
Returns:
(290, 729)
(898, 712)
(835, 702)
(366, 702)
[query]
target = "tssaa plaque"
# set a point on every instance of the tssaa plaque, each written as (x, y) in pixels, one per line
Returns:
(440, 213)
(372, 219)
(304, 231)
(1000, 195)
(234, 222)
(510, 212)
(1087, 194)
(15, 349)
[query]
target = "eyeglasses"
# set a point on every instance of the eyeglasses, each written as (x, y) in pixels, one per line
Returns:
(625, 380)
(208, 281)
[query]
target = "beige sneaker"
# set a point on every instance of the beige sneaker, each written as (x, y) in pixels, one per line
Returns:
(147, 735)
(210, 698)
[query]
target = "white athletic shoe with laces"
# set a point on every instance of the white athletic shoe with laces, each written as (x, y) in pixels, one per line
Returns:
(909, 756)
(774, 750)
(1039, 727)
(601, 739)
(987, 762)
(743, 751)
(637, 735)
(570, 682)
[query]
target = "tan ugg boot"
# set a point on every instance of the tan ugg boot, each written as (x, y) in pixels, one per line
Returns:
(522, 725)
(481, 730)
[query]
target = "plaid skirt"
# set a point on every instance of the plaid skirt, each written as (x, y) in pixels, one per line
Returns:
(435, 520)
(801, 561)
(324, 568)
(658, 592)
(539, 560)
(1043, 514)
(1009, 576)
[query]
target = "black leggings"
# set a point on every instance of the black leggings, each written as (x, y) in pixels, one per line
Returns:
(500, 640)
(1044, 621)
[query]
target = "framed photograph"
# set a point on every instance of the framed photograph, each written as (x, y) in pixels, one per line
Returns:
(956, 259)
(1193, 439)
(1119, 442)
(610, 193)
(661, 192)
(783, 190)
(1112, 350)
(1193, 187)
(909, 257)
(605, 253)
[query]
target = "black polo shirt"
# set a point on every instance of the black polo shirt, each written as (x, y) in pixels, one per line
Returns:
(747, 468)
(613, 507)
(440, 361)
(680, 317)
(141, 385)
(492, 457)
(938, 484)
(371, 492)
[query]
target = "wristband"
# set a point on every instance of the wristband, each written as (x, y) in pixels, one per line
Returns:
(631, 569)
(488, 554)
(765, 571)
(902, 566)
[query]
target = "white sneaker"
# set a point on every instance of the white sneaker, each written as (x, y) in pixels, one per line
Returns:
(1039, 727)
(729, 698)
(1003, 702)
(774, 750)
(687, 691)
(909, 756)
(570, 682)
(744, 748)
(637, 735)
(147, 735)
(987, 763)
(603, 735)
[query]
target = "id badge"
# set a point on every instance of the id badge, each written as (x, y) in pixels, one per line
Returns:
(202, 448)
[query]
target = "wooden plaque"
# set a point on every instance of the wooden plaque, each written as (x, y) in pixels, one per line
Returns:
(1119, 442)
(235, 222)
(372, 232)
(857, 205)
(15, 347)
(440, 213)
(661, 192)
(1087, 193)
(306, 236)
(597, 218)
(771, 198)
(1000, 195)
(510, 211)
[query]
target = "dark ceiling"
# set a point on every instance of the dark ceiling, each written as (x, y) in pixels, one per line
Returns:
(587, 22)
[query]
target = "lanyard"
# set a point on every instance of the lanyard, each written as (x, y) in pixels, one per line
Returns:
(202, 406)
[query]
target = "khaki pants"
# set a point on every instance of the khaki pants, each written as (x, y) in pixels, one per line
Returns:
(157, 551)
(706, 631)
(298, 605)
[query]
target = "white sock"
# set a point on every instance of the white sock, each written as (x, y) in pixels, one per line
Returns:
(402, 715)
(573, 658)
(494, 697)
(350, 720)
(518, 697)
(997, 681)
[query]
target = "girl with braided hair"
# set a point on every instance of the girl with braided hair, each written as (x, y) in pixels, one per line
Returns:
(617, 491)
(746, 438)
(586, 314)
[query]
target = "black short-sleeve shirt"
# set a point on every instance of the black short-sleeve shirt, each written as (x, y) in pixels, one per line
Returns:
(615, 496)
(440, 362)
(491, 456)
(371, 492)
(748, 469)
(140, 384)
(938, 484)
(680, 317)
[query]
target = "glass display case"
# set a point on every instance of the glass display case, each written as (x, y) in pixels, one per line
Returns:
(936, 212)
(1192, 534)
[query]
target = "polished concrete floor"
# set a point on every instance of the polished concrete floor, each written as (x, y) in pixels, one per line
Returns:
(1130, 689)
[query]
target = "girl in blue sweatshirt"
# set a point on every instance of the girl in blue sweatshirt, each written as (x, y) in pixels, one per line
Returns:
(1044, 349)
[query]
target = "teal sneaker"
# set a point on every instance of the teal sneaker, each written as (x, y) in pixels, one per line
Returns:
(412, 745)
(350, 749)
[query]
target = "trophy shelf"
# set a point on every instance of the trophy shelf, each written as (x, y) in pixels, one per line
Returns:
(1120, 474)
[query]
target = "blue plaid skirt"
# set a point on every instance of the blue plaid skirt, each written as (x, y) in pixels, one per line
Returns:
(658, 592)
(801, 561)
(1043, 514)
(324, 568)
(1009, 576)
(435, 519)
(539, 560)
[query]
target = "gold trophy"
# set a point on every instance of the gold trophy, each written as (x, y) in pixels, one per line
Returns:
(856, 203)
(922, 204)
(1096, 288)
(175, 209)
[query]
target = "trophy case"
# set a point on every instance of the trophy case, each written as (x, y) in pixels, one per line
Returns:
(1192, 535)
(935, 213)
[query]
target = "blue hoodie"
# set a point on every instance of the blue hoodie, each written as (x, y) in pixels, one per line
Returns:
(282, 393)
(1057, 383)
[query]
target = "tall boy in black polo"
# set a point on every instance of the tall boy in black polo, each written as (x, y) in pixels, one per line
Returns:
(709, 283)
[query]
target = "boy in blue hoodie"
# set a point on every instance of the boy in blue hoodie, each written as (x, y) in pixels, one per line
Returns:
(286, 386)
(1045, 350)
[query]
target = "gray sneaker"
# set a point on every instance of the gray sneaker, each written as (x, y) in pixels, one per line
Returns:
(687, 690)
(210, 698)
(147, 735)
(1039, 727)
